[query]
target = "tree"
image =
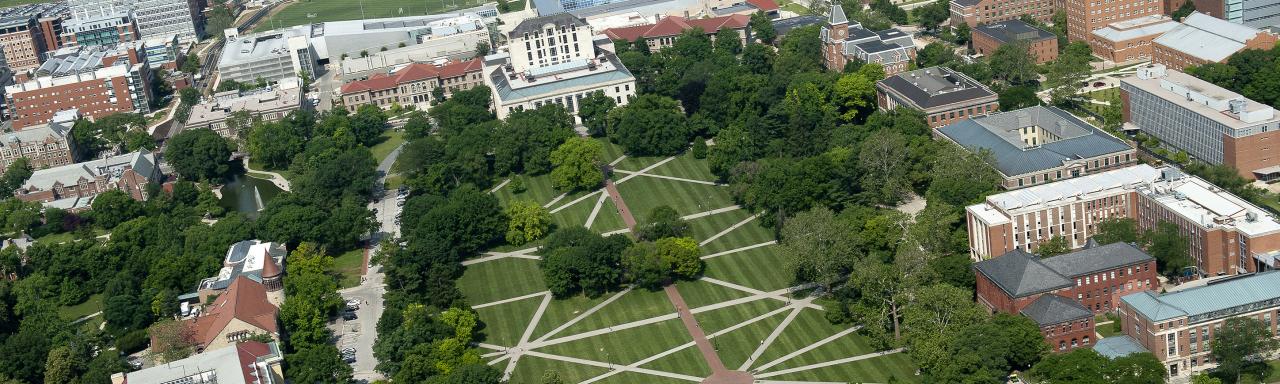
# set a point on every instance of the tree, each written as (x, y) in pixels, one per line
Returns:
(933, 14)
(1018, 97)
(198, 154)
(368, 123)
(728, 41)
(575, 164)
(172, 340)
(62, 365)
(1184, 10)
(594, 110)
(241, 123)
(650, 125)
(663, 221)
(961, 178)
(1013, 64)
(1054, 246)
(854, 92)
(529, 222)
(16, 175)
(1115, 230)
(275, 144)
(934, 54)
(1169, 246)
(1080, 366)
(482, 48)
(935, 316)
(114, 207)
(318, 364)
(578, 259)
(1137, 368)
(417, 126)
(1241, 342)
(762, 28)
(551, 377)
(1204, 378)
(884, 166)
(651, 265)
(682, 255)
(818, 247)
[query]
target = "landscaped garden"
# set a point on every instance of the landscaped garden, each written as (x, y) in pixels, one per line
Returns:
(743, 301)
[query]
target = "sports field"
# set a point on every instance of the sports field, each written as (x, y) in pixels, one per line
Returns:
(314, 11)
(743, 303)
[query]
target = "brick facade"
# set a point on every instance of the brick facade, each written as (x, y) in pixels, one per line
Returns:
(1043, 48)
(979, 12)
(1084, 16)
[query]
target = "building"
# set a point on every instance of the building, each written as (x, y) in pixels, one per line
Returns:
(1038, 145)
(22, 42)
(1177, 327)
(95, 80)
(106, 30)
(1226, 235)
(784, 26)
(569, 66)
(842, 41)
(261, 262)
(238, 313)
(162, 52)
(664, 33)
(247, 362)
(1209, 122)
(73, 186)
(268, 104)
(270, 56)
(437, 48)
(1205, 39)
(978, 12)
(1041, 44)
(412, 84)
(1063, 293)
(1252, 13)
(45, 145)
(1085, 16)
(152, 18)
(943, 94)
(1130, 40)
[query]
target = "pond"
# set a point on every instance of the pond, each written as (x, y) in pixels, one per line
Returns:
(247, 194)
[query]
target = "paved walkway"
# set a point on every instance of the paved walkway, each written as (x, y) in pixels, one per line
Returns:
(500, 185)
(719, 374)
(727, 230)
(736, 250)
(491, 256)
(276, 178)
(666, 177)
(830, 363)
(627, 218)
(711, 212)
(595, 211)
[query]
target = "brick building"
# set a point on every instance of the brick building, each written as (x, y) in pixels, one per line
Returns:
(1225, 234)
(1177, 327)
(1084, 16)
(1041, 44)
(95, 80)
(1203, 39)
(943, 94)
(664, 33)
(1129, 40)
(842, 41)
(1209, 122)
(1253, 13)
(978, 12)
(22, 42)
(1063, 293)
(45, 145)
(411, 84)
(265, 104)
(1038, 145)
(73, 186)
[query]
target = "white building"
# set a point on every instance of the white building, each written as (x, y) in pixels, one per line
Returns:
(554, 59)
(154, 18)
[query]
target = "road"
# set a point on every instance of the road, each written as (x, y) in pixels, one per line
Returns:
(361, 332)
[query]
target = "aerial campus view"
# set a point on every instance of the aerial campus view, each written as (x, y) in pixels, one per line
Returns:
(639, 191)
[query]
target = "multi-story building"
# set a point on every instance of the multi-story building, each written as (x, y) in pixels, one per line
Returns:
(1130, 40)
(73, 186)
(1209, 122)
(95, 80)
(106, 30)
(238, 313)
(271, 104)
(45, 145)
(246, 362)
(438, 47)
(1178, 327)
(943, 94)
(22, 42)
(842, 41)
(664, 33)
(978, 12)
(161, 52)
(1041, 44)
(1253, 13)
(554, 59)
(1084, 16)
(1038, 145)
(1063, 293)
(1225, 234)
(262, 262)
(412, 84)
(1203, 39)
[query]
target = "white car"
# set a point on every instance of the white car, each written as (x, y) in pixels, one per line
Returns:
(353, 303)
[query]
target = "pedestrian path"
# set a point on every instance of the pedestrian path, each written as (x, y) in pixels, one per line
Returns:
(830, 363)
(595, 211)
(510, 300)
(584, 314)
(736, 250)
(491, 256)
(719, 373)
(666, 177)
(499, 186)
(808, 348)
(627, 218)
(711, 212)
(727, 230)
(773, 336)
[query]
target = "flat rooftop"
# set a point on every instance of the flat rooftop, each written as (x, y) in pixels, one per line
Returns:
(257, 101)
(1135, 28)
(1014, 30)
(1211, 100)
(1078, 188)
(256, 47)
(604, 68)
(1200, 202)
(936, 86)
(1207, 38)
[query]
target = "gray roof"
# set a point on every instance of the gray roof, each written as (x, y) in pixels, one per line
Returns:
(837, 15)
(1014, 30)
(1054, 309)
(1021, 274)
(936, 86)
(966, 3)
(1217, 296)
(1207, 38)
(999, 134)
(1096, 259)
(142, 162)
(533, 25)
(37, 133)
(1118, 346)
(548, 86)
(783, 26)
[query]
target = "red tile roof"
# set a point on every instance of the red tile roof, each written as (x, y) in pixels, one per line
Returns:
(245, 300)
(460, 68)
(410, 73)
(764, 5)
(248, 353)
(674, 25)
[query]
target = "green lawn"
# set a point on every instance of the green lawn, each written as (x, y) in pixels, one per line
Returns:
(500, 280)
(350, 266)
(334, 10)
(89, 306)
(391, 140)
(13, 3)
(56, 238)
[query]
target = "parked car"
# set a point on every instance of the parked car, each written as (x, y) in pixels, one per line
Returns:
(348, 316)
(353, 304)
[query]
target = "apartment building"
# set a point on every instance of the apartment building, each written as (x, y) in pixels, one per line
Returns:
(978, 12)
(842, 42)
(943, 94)
(1063, 293)
(554, 59)
(106, 30)
(95, 80)
(1226, 235)
(1203, 39)
(1130, 40)
(1085, 16)
(73, 186)
(664, 33)
(1209, 122)
(1039, 145)
(411, 84)
(45, 145)
(1041, 44)
(22, 42)
(270, 104)
(1177, 327)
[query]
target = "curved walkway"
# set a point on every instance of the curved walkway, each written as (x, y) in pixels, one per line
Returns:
(276, 178)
